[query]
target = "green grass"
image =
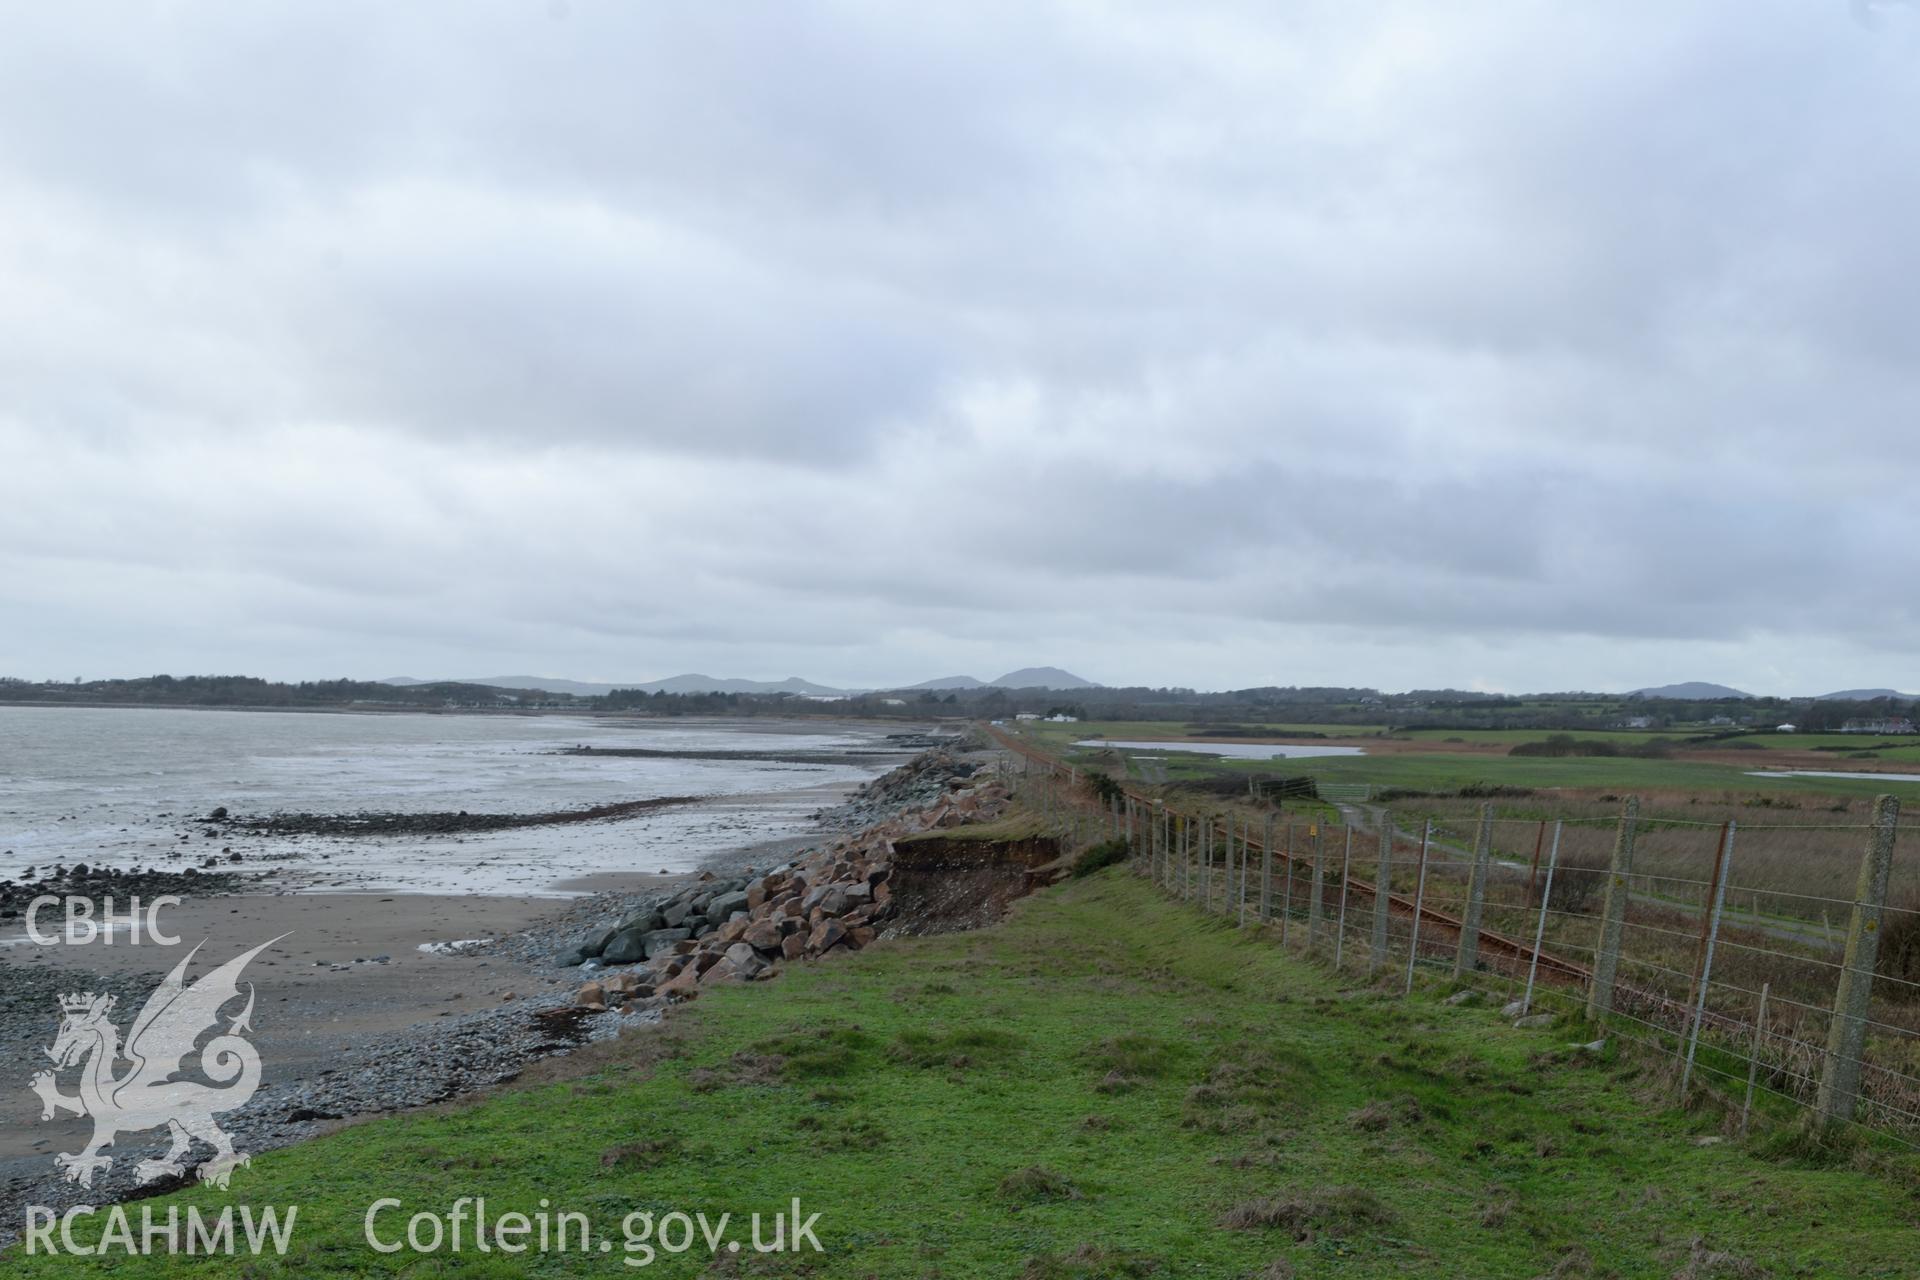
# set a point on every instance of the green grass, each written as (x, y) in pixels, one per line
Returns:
(1107, 1085)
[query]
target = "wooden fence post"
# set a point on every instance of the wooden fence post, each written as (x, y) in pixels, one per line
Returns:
(1467, 958)
(1847, 1031)
(1613, 913)
(1382, 889)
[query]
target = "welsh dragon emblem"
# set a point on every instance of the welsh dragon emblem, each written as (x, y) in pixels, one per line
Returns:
(147, 1095)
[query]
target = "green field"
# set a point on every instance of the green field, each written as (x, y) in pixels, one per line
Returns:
(1443, 770)
(1109, 1085)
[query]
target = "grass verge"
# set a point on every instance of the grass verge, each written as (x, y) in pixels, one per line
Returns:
(1106, 1085)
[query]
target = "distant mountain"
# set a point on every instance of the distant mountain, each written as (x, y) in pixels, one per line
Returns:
(1699, 690)
(1042, 678)
(1863, 695)
(696, 683)
(691, 683)
(544, 684)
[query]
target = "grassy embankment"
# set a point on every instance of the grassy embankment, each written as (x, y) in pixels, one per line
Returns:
(1107, 1085)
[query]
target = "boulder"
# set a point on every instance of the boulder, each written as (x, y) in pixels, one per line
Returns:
(674, 914)
(834, 902)
(825, 935)
(756, 894)
(644, 921)
(663, 941)
(858, 892)
(684, 985)
(572, 958)
(591, 996)
(724, 905)
(762, 934)
(627, 947)
(1534, 1020)
(793, 946)
(734, 929)
(596, 941)
(860, 937)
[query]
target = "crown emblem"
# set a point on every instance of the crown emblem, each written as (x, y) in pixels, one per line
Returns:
(85, 1002)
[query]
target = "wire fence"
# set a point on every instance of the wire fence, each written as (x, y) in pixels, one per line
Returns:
(1738, 951)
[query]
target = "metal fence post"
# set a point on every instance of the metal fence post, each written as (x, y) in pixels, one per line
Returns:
(1540, 928)
(1706, 956)
(1419, 900)
(1340, 924)
(1316, 910)
(1382, 889)
(1467, 958)
(1847, 1032)
(1266, 871)
(1613, 914)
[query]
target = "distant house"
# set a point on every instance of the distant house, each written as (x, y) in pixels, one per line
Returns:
(1637, 722)
(1027, 715)
(1721, 722)
(893, 702)
(1060, 717)
(1786, 728)
(1888, 724)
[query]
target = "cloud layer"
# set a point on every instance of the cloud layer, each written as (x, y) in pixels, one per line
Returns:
(1519, 346)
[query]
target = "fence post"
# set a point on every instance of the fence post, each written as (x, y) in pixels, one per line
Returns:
(1753, 1057)
(1540, 928)
(1266, 871)
(1419, 900)
(1467, 959)
(1246, 861)
(1613, 914)
(1847, 1032)
(1381, 890)
(1206, 858)
(1286, 904)
(1316, 910)
(1706, 955)
(1181, 826)
(1340, 924)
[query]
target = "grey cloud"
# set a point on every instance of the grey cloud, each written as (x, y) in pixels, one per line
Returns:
(867, 343)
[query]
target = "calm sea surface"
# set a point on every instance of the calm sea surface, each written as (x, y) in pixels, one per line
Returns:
(118, 786)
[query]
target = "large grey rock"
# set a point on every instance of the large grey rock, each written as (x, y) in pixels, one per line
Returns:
(661, 941)
(596, 941)
(724, 905)
(675, 914)
(1534, 1020)
(644, 921)
(571, 958)
(628, 947)
(858, 894)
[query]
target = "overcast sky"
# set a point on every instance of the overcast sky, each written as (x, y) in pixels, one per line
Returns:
(1497, 345)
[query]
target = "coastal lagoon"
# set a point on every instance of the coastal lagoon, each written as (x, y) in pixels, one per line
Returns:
(1229, 750)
